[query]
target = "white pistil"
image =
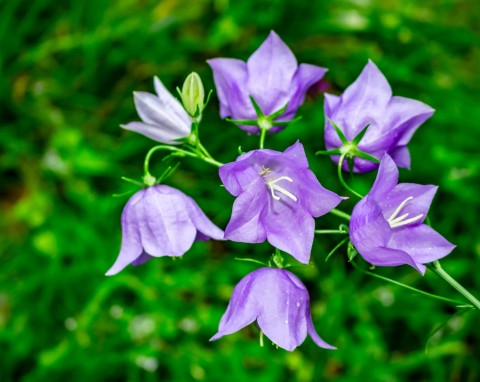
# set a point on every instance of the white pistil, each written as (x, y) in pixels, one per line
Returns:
(400, 221)
(272, 184)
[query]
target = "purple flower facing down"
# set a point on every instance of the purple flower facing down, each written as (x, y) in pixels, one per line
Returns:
(271, 76)
(164, 118)
(387, 227)
(392, 120)
(277, 198)
(280, 304)
(161, 221)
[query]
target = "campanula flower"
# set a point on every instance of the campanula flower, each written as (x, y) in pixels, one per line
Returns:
(277, 199)
(387, 227)
(271, 76)
(163, 117)
(161, 221)
(391, 120)
(280, 304)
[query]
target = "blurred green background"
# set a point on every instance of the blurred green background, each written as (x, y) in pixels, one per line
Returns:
(67, 72)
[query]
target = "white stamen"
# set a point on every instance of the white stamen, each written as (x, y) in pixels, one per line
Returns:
(272, 184)
(399, 208)
(405, 222)
(400, 221)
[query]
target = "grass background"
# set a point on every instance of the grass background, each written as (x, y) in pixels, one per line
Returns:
(67, 72)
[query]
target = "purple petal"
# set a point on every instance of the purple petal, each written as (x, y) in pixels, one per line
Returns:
(419, 205)
(131, 247)
(142, 259)
(422, 242)
(290, 229)
(406, 115)
(242, 309)
(363, 102)
(270, 72)
(297, 153)
(316, 199)
(387, 178)
(283, 305)
(166, 228)
(314, 335)
(203, 224)
(368, 227)
(246, 224)
(230, 76)
(305, 76)
(157, 133)
(401, 156)
(238, 175)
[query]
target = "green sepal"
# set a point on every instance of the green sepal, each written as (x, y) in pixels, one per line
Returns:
(329, 152)
(240, 152)
(257, 108)
(278, 113)
(342, 136)
(207, 100)
(247, 122)
(296, 119)
(179, 91)
(135, 182)
(360, 135)
(167, 173)
(360, 154)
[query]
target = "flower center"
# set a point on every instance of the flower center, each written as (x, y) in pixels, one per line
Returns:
(399, 221)
(272, 184)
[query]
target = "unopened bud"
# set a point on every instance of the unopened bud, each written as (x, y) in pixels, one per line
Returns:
(193, 95)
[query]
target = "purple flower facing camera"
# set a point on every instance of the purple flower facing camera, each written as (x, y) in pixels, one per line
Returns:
(161, 221)
(271, 76)
(277, 199)
(391, 120)
(387, 226)
(280, 304)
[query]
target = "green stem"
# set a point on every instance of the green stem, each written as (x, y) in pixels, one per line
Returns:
(340, 214)
(336, 248)
(263, 134)
(437, 268)
(434, 296)
(177, 150)
(330, 231)
(340, 176)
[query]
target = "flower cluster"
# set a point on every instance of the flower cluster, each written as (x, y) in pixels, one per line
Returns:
(277, 196)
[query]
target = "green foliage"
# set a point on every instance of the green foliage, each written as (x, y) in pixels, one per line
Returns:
(67, 72)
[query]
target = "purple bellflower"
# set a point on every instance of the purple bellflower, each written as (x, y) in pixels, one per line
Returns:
(280, 304)
(391, 120)
(387, 227)
(271, 76)
(277, 198)
(161, 221)
(164, 118)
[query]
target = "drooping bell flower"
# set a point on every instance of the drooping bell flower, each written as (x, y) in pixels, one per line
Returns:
(271, 76)
(277, 200)
(391, 120)
(387, 227)
(163, 117)
(161, 221)
(280, 304)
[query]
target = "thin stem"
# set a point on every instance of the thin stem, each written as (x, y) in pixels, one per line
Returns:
(437, 268)
(263, 134)
(340, 176)
(177, 150)
(330, 232)
(340, 214)
(336, 248)
(434, 296)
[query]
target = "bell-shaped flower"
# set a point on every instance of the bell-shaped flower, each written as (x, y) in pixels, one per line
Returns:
(271, 76)
(387, 227)
(163, 117)
(277, 200)
(391, 120)
(161, 221)
(280, 304)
